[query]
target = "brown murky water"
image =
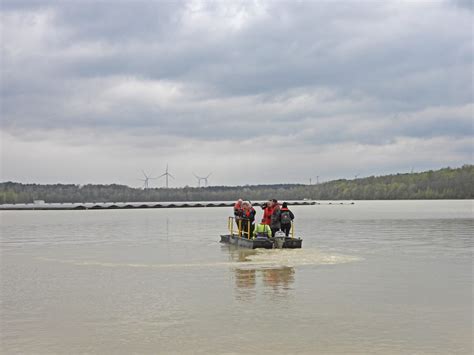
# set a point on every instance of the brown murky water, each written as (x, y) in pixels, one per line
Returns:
(391, 277)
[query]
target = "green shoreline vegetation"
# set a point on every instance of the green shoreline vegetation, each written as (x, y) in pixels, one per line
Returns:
(446, 183)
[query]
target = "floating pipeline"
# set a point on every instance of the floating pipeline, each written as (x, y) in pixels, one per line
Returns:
(135, 205)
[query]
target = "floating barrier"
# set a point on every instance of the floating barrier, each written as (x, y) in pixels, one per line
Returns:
(128, 205)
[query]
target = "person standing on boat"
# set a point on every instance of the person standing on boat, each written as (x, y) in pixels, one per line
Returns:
(238, 212)
(248, 218)
(286, 218)
(267, 212)
(275, 224)
(262, 231)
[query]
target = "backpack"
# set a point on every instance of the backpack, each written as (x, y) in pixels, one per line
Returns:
(285, 217)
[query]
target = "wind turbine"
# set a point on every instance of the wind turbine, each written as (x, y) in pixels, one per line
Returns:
(199, 178)
(166, 174)
(207, 177)
(146, 179)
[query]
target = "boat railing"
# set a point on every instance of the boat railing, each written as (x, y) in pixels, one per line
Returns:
(241, 232)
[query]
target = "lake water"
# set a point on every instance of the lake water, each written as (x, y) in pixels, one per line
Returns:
(377, 277)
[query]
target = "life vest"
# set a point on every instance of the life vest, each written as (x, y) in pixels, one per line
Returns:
(267, 215)
(238, 210)
(249, 214)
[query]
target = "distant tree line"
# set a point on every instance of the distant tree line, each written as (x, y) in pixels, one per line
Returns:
(445, 183)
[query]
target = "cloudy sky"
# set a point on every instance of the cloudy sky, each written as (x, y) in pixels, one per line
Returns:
(254, 91)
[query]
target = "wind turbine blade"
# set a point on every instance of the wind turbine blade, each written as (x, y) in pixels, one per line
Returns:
(161, 175)
(208, 175)
(144, 174)
(171, 176)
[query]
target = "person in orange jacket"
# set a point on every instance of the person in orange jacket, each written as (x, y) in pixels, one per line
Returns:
(238, 212)
(267, 212)
(248, 219)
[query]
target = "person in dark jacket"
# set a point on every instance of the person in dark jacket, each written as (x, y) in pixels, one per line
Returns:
(275, 223)
(286, 217)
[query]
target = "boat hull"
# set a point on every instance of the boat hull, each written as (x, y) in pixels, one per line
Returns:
(265, 243)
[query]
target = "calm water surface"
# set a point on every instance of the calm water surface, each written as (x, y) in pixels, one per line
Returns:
(391, 277)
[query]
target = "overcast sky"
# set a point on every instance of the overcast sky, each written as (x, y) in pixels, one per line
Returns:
(253, 91)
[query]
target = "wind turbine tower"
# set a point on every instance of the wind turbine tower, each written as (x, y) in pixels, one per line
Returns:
(166, 174)
(198, 179)
(146, 179)
(205, 179)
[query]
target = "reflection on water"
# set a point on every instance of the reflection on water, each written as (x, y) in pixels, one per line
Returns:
(238, 254)
(272, 271)
(279, 279)
(275, 282)
(250, 276)
(245, 282)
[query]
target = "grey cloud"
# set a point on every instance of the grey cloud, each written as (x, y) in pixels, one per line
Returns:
(464, 4)
(291, 46)
(310, 74)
